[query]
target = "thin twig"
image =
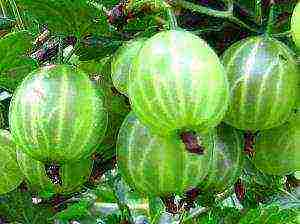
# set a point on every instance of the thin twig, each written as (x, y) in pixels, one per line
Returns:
(228, 14)
(211, 29)
(201, 9)
(182, 216)
(271, 16)
(283, 34)
(172, 19)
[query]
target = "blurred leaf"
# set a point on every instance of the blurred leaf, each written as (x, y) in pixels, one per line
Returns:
(66, 17)
(145, 26)
(108, 3)
(104, 193)
(111, 219)
(259, 177)
(47, 192)
(281, 208)
(97, 46)
(32, 24)
(17, 206)
(88, 220)
(271, 214)
(14, 64)
(216, 215)
(74, 212)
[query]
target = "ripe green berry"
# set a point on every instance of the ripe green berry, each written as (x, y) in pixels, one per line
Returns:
(263, 80)
(57, 115)
(277, 150)
(122, 63)
(177, 82)
(157, 166)
(227, 161)
(72, 175)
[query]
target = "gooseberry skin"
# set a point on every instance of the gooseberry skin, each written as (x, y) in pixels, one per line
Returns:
(122, 62)
(57, 115)
(158, 166)
(277, 150)
(226, 164)
(73, 174)
(178, 82)
(295, 25)
(263, 74)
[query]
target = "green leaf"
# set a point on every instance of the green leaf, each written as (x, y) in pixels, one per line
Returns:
(14, 64)
(104, 193)
(270, 214)
(17, 206)
(73, 212)
(108, 3)
(97, 46)
(66, 17)
(145, 26)
(216, 215)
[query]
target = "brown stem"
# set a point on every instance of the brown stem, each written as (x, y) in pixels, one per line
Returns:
(169, 202)
(191, 142)
(240, 190)
(100, 167)
(70, 40)
(48, 51)
(292, 182)
(249, 140)
(2, 220)
(23, 187)
(189, 198)
(52, 171)
(58, 204)
(118, 16)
